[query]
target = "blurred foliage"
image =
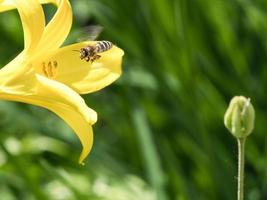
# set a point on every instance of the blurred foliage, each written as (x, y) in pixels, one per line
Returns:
(160, 133)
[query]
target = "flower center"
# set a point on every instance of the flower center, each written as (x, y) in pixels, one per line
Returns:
(50, 68)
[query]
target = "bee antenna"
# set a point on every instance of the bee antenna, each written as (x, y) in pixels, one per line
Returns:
(76, 50)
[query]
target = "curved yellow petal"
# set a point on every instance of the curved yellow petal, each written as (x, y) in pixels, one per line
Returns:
(65, 65)
(61, 100)
(60, 94)
(81, 127)
(6, 5)
(16, 72)
(83, 130)
(33, 22)
(57, 29)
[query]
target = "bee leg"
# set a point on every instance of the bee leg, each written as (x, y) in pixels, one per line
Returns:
(96, 57)
(87, 59)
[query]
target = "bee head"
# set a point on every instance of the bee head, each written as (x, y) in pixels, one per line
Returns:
(83, 53)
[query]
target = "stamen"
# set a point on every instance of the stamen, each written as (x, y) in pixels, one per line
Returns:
(44, 69)
(49, 68)
(49, 65)
(55, 63)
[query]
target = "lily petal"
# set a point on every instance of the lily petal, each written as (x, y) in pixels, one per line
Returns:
(33, 22)
(6, 5)
(16, 72)
(71, 107)
(83, 130)
(61, 94)
(65, 65)
(57, 29)
(61, 100)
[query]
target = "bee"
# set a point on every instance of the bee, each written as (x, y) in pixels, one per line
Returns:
(91, 52)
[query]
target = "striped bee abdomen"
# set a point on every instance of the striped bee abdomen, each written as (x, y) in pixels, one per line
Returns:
(102, 46)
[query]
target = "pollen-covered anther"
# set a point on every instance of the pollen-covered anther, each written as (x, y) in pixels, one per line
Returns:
(55, 63)
(49, 68)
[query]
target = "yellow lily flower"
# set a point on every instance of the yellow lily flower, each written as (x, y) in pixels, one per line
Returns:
(46, 75)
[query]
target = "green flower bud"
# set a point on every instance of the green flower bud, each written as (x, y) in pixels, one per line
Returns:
(239, 117)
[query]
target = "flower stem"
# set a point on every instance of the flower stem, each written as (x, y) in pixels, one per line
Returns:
(241, 163)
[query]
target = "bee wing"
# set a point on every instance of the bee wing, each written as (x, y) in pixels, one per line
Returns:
(89, 33)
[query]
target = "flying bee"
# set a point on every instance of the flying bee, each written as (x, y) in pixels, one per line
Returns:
(91, 52)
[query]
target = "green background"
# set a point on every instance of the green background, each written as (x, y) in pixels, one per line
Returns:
(160, 132)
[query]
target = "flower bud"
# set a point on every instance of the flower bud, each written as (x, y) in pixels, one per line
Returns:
(239, 117)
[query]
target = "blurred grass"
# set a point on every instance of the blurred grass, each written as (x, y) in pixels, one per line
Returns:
(160, 133)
